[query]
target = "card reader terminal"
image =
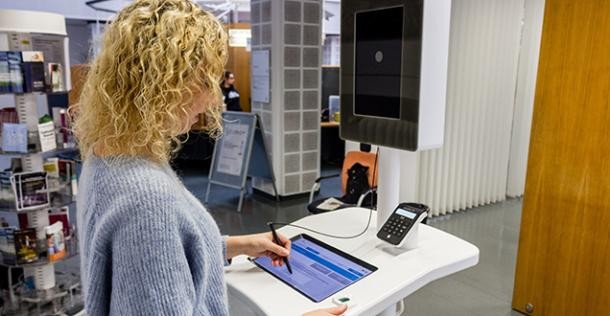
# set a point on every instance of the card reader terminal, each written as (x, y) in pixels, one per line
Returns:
(398, 225)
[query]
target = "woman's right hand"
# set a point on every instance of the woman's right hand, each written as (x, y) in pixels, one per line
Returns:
(259, 245)
(333, 311)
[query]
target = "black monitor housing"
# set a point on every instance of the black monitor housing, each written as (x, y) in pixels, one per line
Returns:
(394, 72)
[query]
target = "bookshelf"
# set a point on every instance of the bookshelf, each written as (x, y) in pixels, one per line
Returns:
(42, 290)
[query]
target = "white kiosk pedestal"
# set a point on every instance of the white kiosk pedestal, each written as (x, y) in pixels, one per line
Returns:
(400, 272)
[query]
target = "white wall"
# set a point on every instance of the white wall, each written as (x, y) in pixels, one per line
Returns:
(79, 33)
(524, 100)
(74, 9)
(331, 18)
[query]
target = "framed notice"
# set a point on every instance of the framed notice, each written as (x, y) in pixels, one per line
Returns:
(240, 153)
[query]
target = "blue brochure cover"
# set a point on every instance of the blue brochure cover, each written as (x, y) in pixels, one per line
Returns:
(15, 72)
(14, 138)
(5, 78)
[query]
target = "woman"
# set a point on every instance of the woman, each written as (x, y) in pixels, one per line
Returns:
(148, 247)
(231, 96)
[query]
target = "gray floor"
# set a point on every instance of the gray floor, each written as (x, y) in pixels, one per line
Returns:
(485, 289)
(257, 210)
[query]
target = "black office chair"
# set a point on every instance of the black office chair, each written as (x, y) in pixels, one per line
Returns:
(359, 184)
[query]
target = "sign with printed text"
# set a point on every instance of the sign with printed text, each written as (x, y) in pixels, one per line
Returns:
(239, 37)
(231, 156)
(260, 76)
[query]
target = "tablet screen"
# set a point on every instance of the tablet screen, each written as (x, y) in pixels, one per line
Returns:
(318, 270)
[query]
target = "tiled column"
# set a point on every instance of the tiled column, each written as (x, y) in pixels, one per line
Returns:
(291, 31)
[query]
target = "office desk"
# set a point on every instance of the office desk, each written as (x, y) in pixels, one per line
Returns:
(400, 273)
(329, 124)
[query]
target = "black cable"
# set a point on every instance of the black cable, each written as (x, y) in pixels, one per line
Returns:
(374, 205)
(368, 222)
(325, 234)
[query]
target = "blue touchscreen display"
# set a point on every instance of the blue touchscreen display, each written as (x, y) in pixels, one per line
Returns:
(319, 270)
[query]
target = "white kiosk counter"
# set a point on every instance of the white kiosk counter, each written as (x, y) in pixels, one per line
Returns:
(401, 272)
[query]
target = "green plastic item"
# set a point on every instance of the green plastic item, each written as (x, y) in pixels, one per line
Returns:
(45, 119)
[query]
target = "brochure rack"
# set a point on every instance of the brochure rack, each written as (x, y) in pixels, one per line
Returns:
(22, 31)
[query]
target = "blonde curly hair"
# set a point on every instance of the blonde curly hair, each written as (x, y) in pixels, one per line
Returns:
(157, 56)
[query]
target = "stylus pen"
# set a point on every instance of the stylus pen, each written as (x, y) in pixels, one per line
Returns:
(277, 241)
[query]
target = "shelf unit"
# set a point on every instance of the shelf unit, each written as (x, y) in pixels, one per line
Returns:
(37, 31)
(70, 244)
(44, 154)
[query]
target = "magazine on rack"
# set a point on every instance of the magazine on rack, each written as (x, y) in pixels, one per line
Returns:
(7, 244)
(26, 245)
(56, 242)
(30, 190)
(61, 215)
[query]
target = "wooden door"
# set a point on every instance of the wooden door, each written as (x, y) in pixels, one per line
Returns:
(78, 74)
(563, 263)
(239, 63)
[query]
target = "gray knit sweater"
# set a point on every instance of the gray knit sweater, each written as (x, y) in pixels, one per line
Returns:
(148, 246)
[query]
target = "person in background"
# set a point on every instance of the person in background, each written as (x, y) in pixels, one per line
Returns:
(147, 245)
(231, 96)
